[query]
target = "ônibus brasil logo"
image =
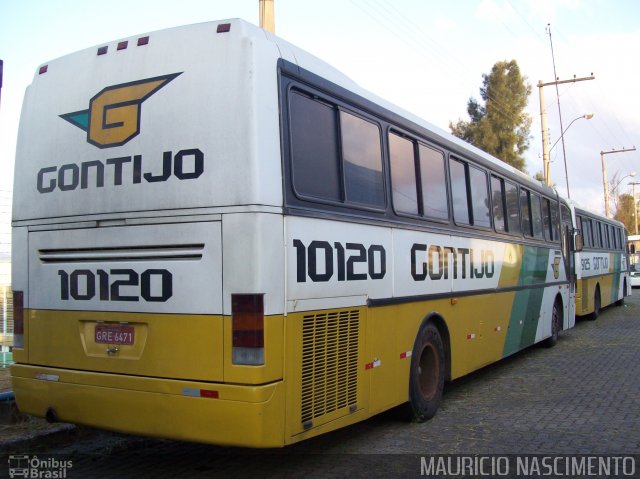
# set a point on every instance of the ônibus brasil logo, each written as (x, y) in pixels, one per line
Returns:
(113, 116)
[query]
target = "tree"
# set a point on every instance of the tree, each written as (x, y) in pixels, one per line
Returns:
(625, 212)
(540, 177)
(501, 126)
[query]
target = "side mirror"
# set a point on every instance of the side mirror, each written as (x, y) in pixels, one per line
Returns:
(578, 241)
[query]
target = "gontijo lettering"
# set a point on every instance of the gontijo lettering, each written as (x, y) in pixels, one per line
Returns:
(184, 165)
(432, 261)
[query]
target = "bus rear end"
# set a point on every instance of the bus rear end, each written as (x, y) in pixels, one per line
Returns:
(141, 207)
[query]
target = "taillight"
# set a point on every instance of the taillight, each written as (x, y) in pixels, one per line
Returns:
(247, 329)
(18, 319)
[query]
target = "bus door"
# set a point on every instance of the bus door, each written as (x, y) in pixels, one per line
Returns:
(569, 261)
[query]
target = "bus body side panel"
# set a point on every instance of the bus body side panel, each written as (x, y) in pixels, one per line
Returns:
(495, 299)
(603, 270)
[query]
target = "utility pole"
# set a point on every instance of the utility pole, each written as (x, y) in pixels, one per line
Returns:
(635, 207)
(604, 177)
(267, 16)
(545, 134)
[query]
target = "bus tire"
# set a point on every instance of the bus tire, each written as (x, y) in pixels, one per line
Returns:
(597, 304)
(556, 325)
(426, 377)
(620, 302)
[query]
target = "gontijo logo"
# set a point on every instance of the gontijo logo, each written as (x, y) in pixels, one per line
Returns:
(113, 117)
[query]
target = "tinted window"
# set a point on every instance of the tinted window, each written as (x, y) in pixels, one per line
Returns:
(555, 221)
(513, 210)
(587, 233)
(620, 240)
(459, 192)
(434, 184)
(314, 145)
(612, 238)
(546, 219)
(479, 197)
(597, 238)
(524, 210)
(362, 158)
(536, 215)
(336, 155)
(403, 175)
(497, 196)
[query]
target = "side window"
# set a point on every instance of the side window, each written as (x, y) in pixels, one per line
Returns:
(479, 197)
(620, 239)
(612, 237)
(526, 212)
(362, 156)
(597, 238)
(555, 221)
(403, 175)
(459, 192)
(434, 183)
(513, 210)
(587, 232)
(497, 196)
(536, 216)
(314, 145)
(336, 156)
(546, 219)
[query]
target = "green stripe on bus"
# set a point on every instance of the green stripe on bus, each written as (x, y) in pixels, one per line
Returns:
(527, 303)
(616, 259)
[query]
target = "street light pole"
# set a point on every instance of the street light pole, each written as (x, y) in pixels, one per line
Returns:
(635, 207)
(604, 177)
(545, 137)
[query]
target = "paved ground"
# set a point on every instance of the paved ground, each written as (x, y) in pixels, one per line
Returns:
(581, 397)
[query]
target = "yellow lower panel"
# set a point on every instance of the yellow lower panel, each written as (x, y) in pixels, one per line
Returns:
(250, 416)
(586, 289)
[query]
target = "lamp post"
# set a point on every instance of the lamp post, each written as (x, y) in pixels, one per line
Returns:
(635, 207)
(615, 187)
(586, 116)
(545, 134)
(604, 176)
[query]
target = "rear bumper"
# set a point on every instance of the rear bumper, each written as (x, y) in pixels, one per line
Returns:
(250, 416)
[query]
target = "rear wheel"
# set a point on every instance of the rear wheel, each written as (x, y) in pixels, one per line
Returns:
(426, 379)
(596, 305)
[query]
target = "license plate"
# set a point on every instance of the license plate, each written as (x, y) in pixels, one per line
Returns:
(122, 334)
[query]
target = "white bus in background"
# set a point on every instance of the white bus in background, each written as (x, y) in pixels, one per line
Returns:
(220, 238)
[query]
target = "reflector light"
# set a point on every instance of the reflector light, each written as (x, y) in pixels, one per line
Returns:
(207, 393)
(200, 393)
(18, 319)
(223, 28)
(43, 69)
(247, 329)
(143, 41)
(102, 50)
(123, 45)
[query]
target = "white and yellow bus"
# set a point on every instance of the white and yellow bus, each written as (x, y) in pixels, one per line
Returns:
(602, 271)
(220, 238)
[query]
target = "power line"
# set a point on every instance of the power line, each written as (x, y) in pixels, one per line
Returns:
(408, 32)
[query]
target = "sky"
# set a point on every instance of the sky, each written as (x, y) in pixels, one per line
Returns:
(426, 56)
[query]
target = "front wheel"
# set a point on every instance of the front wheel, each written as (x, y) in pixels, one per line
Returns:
(556, 321)
(426, 379)
(620, 302)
